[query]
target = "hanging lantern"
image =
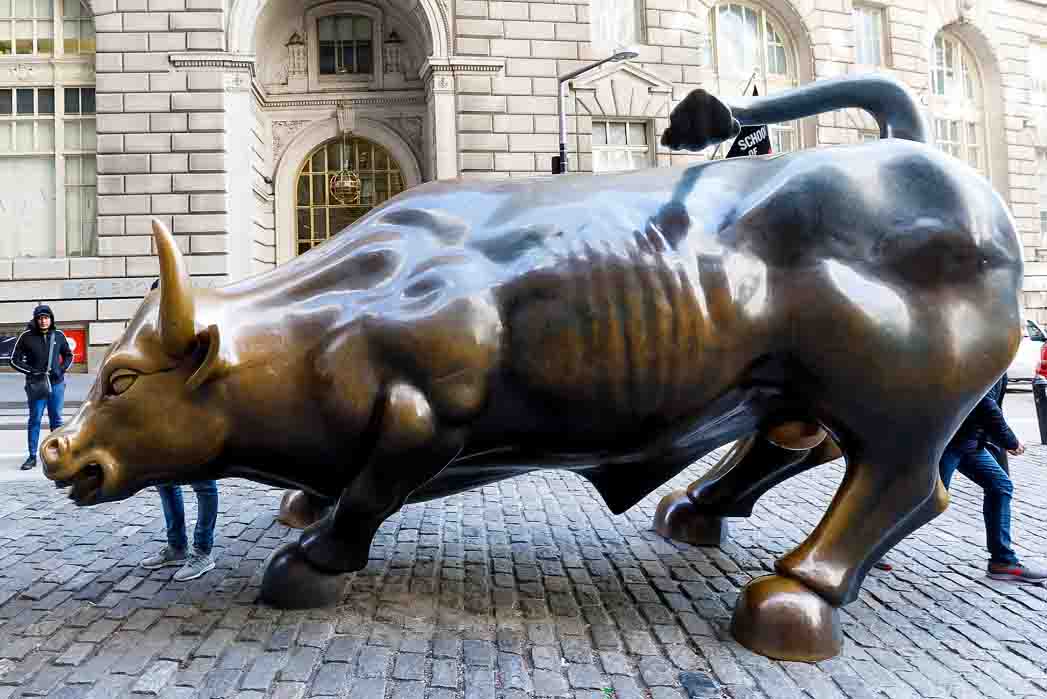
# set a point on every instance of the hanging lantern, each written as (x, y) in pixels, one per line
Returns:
(345, 184)
(345, 187)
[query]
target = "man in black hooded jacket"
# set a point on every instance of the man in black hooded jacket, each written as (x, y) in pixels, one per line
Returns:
(967, 453)
(31, 356)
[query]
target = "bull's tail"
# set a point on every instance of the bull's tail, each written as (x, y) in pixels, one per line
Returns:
(701, 119)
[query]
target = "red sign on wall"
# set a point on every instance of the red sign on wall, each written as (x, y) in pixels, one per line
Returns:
(77, 339)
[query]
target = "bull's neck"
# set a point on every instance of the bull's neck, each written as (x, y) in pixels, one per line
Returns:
(267, 386)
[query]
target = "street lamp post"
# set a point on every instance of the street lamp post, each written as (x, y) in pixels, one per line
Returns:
(560, 162)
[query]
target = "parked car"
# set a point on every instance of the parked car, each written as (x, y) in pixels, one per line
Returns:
(7, 347)
(1031, 359)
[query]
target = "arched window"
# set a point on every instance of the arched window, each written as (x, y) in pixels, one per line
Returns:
(47, 129)
(956, 101)
(748, 42)
(321, 214)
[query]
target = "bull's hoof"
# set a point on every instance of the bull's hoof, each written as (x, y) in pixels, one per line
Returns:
(783, 619)
(291, 582)
(678, 518)
(299, 510)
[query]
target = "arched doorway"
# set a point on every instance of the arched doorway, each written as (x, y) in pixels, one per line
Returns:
(321, 212)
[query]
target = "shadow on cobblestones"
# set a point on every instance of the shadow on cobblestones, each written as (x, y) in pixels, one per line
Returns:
(525, 588)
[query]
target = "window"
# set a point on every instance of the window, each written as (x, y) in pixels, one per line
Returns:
(1037, 72)
(27, 123)
(620, 145)
(868, 35)
(952, 73)
(1041, 158)
(959, 139)
(782, 137)
(956, 102)
(27, 27)
(868, 136)
(80, 175)
(344, 45)
(78, 29)
(615, 24)
(320, 214)
(47, 132)
(746, 39)
(749, 45)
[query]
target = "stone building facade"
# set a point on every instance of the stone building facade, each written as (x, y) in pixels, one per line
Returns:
(257, 128)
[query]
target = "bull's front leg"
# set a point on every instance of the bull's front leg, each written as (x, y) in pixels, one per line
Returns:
(885, 495)
(410, 448)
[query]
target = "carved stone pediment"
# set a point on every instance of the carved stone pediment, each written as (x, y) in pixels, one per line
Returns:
(624, 90)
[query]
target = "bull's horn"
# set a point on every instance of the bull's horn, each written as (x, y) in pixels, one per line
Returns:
(176, 297)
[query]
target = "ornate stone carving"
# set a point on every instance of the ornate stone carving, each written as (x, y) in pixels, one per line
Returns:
(21, 72)
(346, 118)
(283, 133)
(237, 82)
(410, 127)
(296, 56)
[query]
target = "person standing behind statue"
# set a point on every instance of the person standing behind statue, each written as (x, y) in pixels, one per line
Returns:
(176, 552)
(43, 355)
(967, 454)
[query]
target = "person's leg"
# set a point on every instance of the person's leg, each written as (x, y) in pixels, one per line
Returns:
(203, 537)
(206, 515)
(55, 401)
(36, 413)
(174, 520)
(984, 470)
(174, 515)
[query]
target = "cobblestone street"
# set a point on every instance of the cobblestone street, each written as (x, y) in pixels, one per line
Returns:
(525, 588)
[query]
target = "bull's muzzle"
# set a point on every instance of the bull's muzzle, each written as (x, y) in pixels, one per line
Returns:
(86, 478)
(54, 451)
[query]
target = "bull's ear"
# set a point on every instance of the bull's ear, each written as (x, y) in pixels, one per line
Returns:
(212, 364)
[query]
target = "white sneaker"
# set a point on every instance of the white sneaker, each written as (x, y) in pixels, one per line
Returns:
(197, 565)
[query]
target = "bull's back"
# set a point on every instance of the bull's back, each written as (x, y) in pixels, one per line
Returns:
(647, 293)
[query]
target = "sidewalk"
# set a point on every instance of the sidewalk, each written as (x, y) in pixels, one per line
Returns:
(524, 588)
(13, 416)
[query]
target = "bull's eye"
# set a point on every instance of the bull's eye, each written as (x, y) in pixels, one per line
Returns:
(121, 382)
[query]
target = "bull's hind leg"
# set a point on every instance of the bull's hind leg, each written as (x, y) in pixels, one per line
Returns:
(883, 498)
(695, 515)
(409, 450)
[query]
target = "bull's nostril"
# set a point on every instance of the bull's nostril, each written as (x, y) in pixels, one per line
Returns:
(49, 452)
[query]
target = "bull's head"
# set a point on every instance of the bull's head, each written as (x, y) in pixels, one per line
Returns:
(153, 414)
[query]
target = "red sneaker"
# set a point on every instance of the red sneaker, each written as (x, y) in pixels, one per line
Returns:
(1018, 573)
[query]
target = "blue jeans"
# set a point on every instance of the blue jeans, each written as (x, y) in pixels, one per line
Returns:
(53, 403)
(984, 470)
(206, 515)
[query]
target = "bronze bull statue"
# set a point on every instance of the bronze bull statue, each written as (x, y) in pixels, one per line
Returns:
(619, 326)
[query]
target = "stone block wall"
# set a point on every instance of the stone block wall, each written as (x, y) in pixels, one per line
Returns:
(507, 123)
(161, 153)
(508, 126)
(263, 215)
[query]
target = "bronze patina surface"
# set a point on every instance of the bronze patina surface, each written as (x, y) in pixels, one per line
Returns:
(620, 326)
